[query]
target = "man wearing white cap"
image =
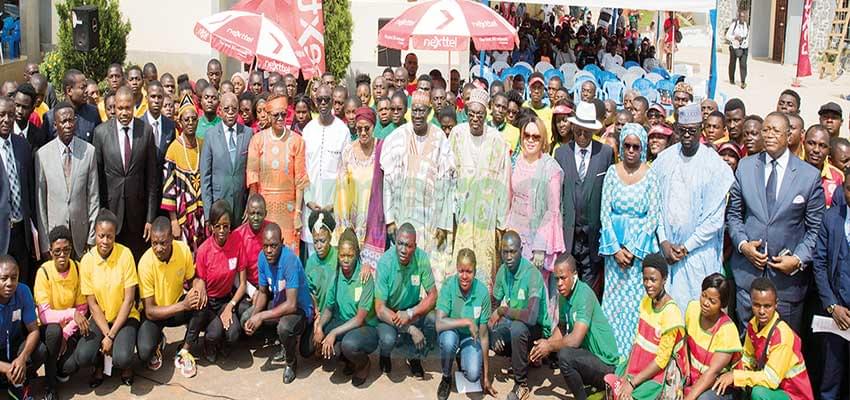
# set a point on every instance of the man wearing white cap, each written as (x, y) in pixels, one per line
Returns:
(483, 167)
(584, 162)
(694, 182)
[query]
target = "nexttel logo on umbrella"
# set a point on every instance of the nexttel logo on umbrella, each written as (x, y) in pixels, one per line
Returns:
(485, 24)
(405, 22)
(440, 42)
(241, 35)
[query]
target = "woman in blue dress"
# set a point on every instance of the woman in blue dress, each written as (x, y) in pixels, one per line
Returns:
(629, 216)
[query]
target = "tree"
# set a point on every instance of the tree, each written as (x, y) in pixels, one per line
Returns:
(113, 31)
(338, 26)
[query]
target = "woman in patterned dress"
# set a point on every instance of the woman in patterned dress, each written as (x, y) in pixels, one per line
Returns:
(181, 192)
(356, 168)
(277, 170)
(629, 216)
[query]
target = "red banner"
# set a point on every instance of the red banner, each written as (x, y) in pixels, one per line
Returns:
(804, 63)
(303, 19)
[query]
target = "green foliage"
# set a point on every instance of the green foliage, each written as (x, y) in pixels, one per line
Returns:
(52, 68)
(338, 25)
(112, 48)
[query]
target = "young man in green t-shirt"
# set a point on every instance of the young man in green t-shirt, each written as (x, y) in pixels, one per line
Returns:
(586, 348)
(521, 318)
(403, 271)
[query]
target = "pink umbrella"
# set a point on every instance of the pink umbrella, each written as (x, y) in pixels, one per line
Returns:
(245, 36)
(448, 25)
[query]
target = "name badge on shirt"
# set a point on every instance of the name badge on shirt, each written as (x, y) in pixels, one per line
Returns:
(270, 281)
(281, 284)
(520, 295)
(16, 315)
(357, 292)
(476, 312)
(414, 280)
(231, 263)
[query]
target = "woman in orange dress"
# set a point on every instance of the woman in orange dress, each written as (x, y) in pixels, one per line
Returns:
(277, 170)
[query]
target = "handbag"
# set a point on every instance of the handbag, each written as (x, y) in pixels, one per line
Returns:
(678, 35)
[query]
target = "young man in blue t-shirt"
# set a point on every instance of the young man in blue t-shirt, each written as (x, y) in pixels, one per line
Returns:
(20, 348)
(283, 299)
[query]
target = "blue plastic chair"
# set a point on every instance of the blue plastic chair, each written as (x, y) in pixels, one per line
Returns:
(614, 90)
(665, 92)
(606, 76)
(551, 73)
(521, 69)
(675, 78)
(642, 84)
(661, 71)
(629, 64)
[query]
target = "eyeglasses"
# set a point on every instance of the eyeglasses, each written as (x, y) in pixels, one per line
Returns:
(635, 147)
(189, 119)
(229, 110)
(688, 131)
(279, 115)
(363, 129)
(65, 251)
(221, 227)
(323, 99)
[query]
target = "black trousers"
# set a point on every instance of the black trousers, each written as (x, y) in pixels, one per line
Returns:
(742, 60)
(52, 338)
(88, 352)
(288, 328)
(518, 338)
(131, 235)
(35, 360)
(590, 266)
(580, 366)
(150, 333)
(21, 252)
(207, 320)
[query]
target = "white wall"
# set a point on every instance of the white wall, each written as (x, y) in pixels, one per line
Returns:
(364, 49)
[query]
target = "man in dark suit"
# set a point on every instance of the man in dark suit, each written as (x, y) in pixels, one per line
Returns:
(584, 162)
(127, 173)
(163, 128)
(24, 99)
(88, 118)
(830, 266)
(16, 155)
(775, 209)
(224, 159)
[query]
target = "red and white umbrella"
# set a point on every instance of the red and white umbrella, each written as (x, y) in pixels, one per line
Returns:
(448, 25)
(244, 35)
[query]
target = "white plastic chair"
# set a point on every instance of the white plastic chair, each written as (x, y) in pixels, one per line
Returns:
(476, 70)
(652, 76)
(683, 69)
(584, 73)
(630, 77)
(543, 66)
(637, 71)
(569, 68)
(499, 66)
(618, 70)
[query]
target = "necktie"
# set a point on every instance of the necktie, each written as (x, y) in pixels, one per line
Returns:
(14, 184)
(582, 166)
(231, 145)
(771, 187)
(127, 150)
(66, 167)
(156, 133)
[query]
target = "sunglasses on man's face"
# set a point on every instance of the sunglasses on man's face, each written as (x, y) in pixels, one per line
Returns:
(323, 99)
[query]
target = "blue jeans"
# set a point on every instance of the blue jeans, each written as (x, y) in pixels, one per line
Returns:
(471, 359)
(389, 337)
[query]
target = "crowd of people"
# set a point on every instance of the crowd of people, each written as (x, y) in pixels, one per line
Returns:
(656, 254)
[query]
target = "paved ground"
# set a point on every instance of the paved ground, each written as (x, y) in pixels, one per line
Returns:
(248, 376)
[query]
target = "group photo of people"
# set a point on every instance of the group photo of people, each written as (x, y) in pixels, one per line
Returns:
(630, 242)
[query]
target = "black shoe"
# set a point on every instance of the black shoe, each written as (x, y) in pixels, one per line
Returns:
(416, 368)
(95, 382)
(19, 392)
(519, 392)
(386, 365)
(348, 369)
(51, 395)
(280, 356)
(289, 373)
(444, 389)
(127, 381)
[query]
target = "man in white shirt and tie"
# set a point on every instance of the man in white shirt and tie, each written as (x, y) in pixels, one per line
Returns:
(163, 127)
(224, 159)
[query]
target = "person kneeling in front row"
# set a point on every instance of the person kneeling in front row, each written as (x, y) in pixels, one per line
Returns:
(18, 331)
(283, 300)
(163, 271)
(347, 325)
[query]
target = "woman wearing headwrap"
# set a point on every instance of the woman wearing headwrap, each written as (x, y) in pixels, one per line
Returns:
(356, 167)
(561, 126)
(181, 192)
(238, 83)
(277, 170)
(629, 216)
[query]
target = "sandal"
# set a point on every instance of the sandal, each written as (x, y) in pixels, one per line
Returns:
(184, 361)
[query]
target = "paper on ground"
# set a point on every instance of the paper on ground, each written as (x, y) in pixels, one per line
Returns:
(107, 365)
(826, 324)
(465, 386)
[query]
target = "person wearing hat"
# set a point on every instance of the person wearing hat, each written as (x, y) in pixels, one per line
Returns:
(656, 114)
(584, 162)
(561, 128)
(683, 94)
(356, 170)
(419, 167)
(660, 138)
(831, 117)
(483, 172)
(774, 233)
(536, 89)
(732, 154)
(694, 181)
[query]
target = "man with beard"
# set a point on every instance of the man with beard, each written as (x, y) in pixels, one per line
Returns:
(482, 160)
(694, 181)
(735, 112)
(817, 144)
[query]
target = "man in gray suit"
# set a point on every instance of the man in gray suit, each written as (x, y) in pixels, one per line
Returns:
(584, 162)
(128, 175)
(66, 195)
(224, 159)
(775, 210)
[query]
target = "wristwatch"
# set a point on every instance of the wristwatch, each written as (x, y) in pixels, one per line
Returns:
(232, 303)
(831, 309)
(410, 313)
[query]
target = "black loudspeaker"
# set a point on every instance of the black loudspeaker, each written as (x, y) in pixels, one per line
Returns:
(86, 28)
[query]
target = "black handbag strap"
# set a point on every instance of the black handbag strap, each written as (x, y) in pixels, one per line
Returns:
(762, 359)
